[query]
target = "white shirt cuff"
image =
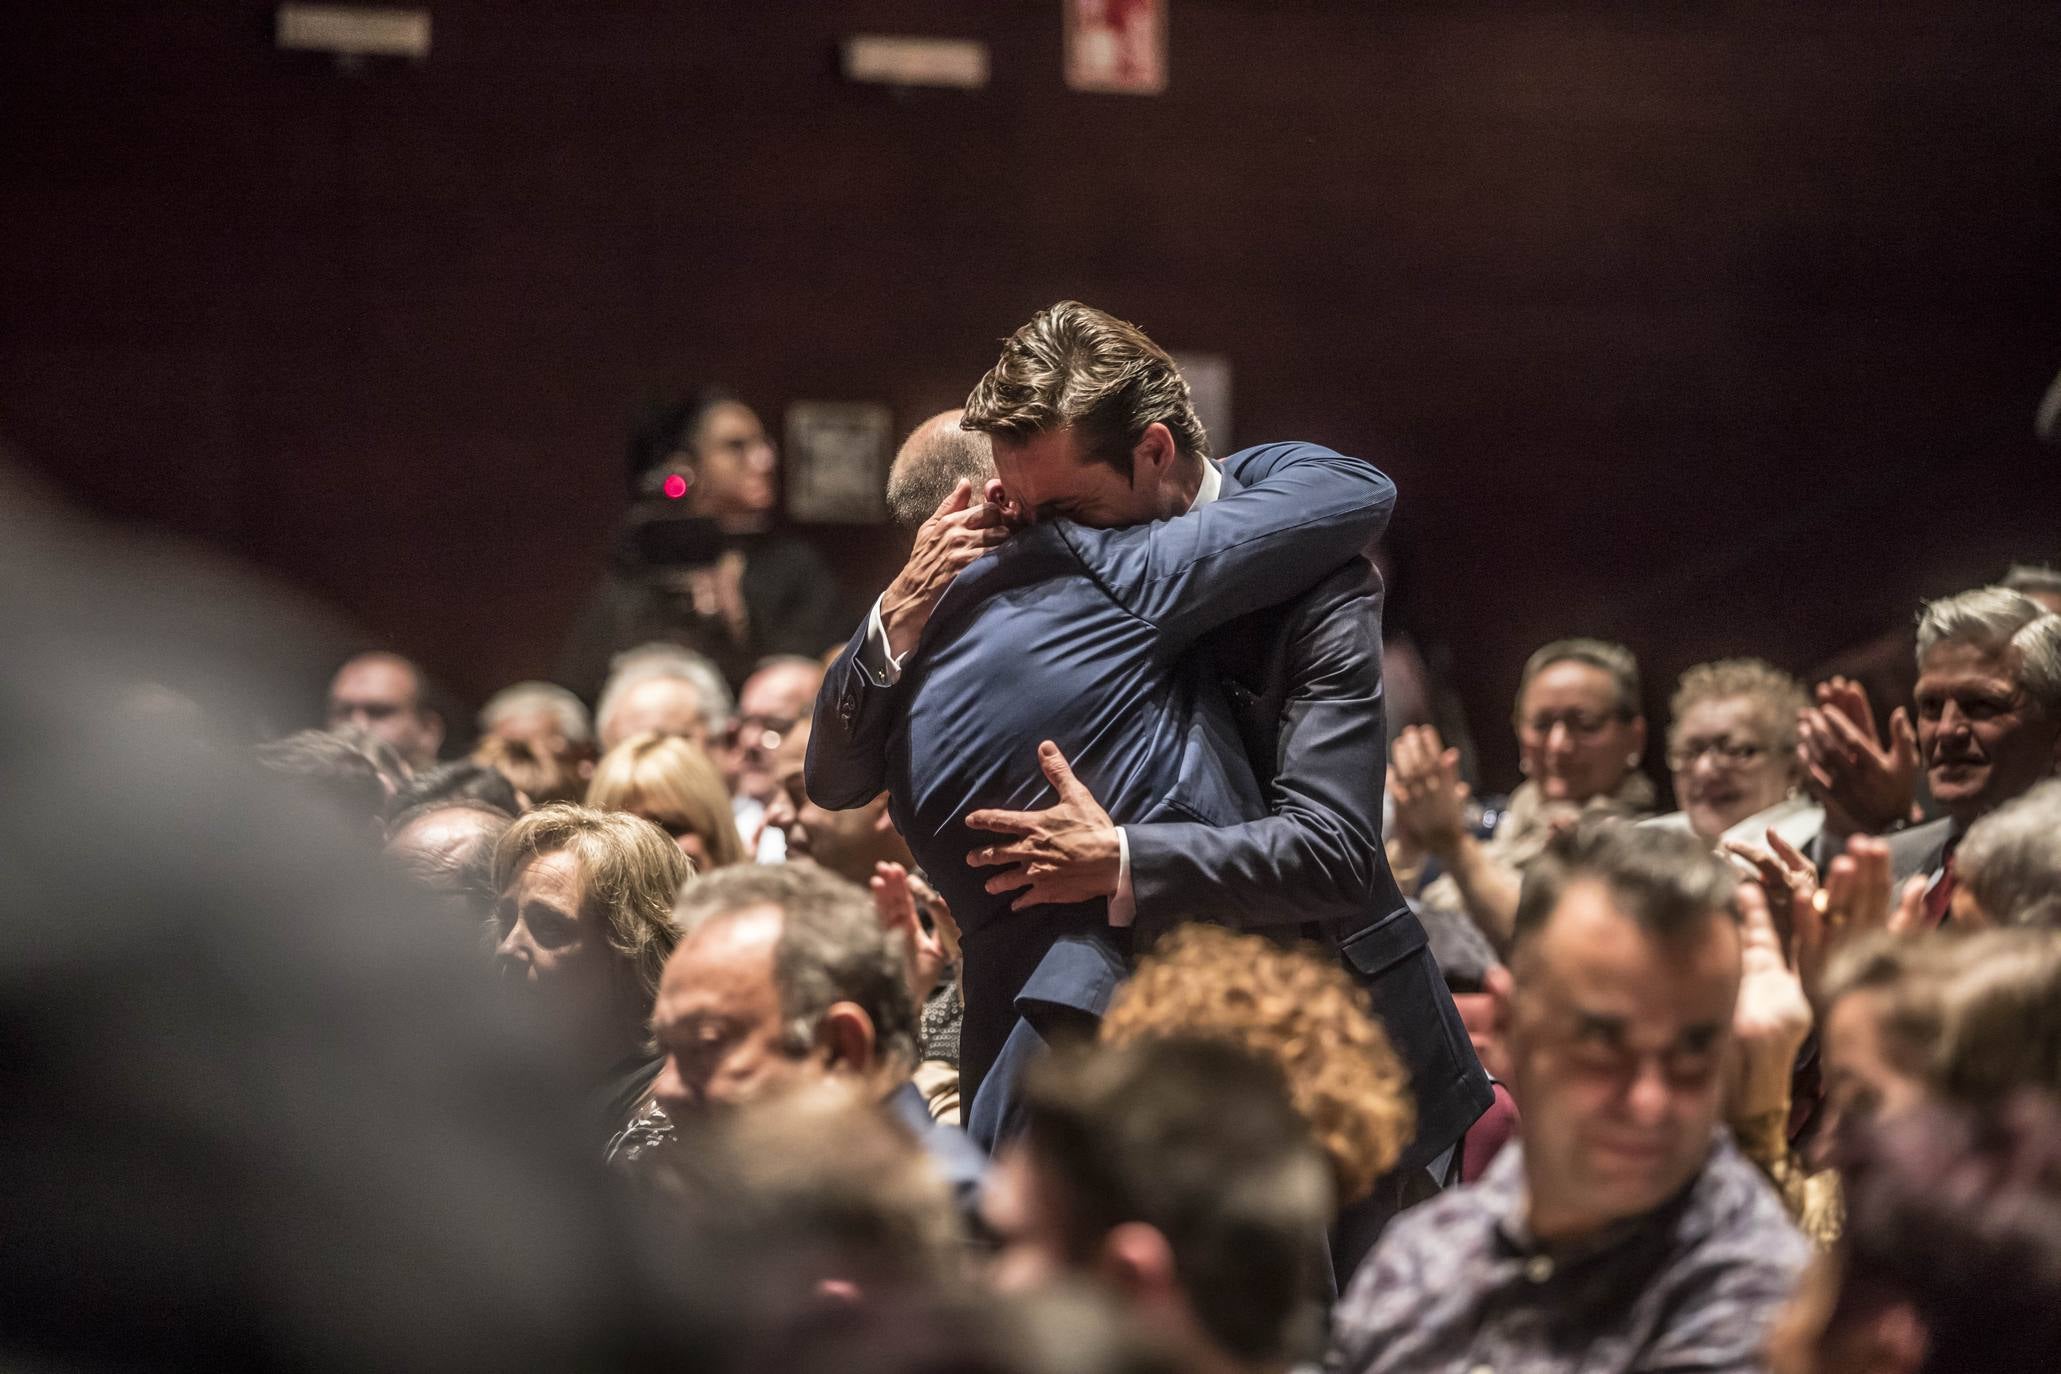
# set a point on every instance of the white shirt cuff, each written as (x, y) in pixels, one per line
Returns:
(882, 667)
(1123, 907)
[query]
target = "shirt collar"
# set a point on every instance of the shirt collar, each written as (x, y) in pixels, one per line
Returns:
(1505, 1194)
(1212, 486)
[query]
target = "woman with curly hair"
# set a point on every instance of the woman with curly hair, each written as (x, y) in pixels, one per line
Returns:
(1296, 1011)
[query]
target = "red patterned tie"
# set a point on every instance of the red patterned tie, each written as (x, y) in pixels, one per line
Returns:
(1940, 896)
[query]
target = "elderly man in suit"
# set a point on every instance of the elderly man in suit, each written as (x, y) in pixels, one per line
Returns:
(1989, 720)
(1146, 617)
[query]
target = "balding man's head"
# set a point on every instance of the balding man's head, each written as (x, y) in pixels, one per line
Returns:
(932, 461)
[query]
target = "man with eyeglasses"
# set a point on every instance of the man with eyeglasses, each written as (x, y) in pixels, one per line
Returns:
(779, 692)
(1626, 1232)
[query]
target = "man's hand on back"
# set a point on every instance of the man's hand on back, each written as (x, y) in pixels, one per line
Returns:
(1068, 852)
(960, 531)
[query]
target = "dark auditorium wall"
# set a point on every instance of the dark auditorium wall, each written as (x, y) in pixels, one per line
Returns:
(1713, 326)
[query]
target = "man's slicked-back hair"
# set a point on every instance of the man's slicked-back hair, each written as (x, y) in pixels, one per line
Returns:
(1197, 1139)
(1075, 365)
(1668, 881)
(933, 460)
(831, 949)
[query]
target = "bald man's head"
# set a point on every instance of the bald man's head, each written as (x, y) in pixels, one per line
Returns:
(931, 462)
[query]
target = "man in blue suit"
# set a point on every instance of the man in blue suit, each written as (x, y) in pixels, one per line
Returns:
(1085, 630)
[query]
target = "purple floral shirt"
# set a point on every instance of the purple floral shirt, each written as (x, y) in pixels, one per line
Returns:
(1458, 1287)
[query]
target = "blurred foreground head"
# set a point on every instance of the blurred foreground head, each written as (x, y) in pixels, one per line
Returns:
(1177, 1174)
(258, 1107)
(1950, 1262)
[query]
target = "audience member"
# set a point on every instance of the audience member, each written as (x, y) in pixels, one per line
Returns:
(1177, 1174)
(696, 703)
(447, 848)
(779, 695)
(2036, 582)
(1951, 1258)
(670, 782)
(829, 1197)
(1731, 747)
(698, 562)
(542, 714)
(385, 694)
(1626, 1232)
(1312, 1020)
(539, 776)
(339, 773)
(1989, 720)
(1580, 735)
(458, 780)
(585, 915)
(1302, 1014)
(2009, 864)
(852, 844)
(784, 976)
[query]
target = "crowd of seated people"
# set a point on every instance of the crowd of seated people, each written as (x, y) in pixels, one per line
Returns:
(1723, 1037)
(1776, 1073)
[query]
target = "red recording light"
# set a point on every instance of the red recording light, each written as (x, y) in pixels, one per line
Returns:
(676, 486)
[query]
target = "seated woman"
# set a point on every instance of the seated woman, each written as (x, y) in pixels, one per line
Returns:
(1580, 736)
(585, 919)
(1731, 745)
(670, 782)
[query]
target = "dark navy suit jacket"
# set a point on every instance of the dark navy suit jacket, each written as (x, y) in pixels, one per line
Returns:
(1304, 681)
(1084, 637)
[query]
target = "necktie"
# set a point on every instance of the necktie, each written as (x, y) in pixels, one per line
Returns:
(1940, 895)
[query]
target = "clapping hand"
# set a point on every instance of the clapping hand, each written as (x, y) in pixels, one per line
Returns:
(1865, 788)
(1857, 898)
(1430, 798)
(899, 897)
(1773, 1015)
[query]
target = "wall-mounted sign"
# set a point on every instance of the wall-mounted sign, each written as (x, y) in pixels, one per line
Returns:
(836, 462)
(1116, 45)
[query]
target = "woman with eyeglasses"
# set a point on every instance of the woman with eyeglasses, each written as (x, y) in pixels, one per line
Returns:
(1580, 736)
(1731, 747)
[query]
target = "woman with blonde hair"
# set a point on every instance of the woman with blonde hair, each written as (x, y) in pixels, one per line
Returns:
(670, 782)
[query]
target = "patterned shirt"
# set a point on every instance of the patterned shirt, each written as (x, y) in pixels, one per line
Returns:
(1457, 1286)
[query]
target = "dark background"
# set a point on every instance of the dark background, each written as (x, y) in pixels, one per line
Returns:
(1715, 327)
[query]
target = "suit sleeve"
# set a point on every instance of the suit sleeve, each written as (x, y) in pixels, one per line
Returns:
(1307, 511)
(1318, 857)
(847, 760)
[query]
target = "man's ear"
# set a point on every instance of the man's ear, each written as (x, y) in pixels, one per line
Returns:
(434, 723)
(846, 1035)
(1154, 452)
(1137, 1260)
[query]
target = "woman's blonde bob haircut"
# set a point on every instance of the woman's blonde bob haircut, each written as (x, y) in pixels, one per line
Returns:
(670, 781)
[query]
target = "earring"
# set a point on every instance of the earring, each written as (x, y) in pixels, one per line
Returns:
(1631, 760)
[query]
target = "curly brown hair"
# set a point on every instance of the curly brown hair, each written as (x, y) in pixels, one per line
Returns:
(1295, 1010)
